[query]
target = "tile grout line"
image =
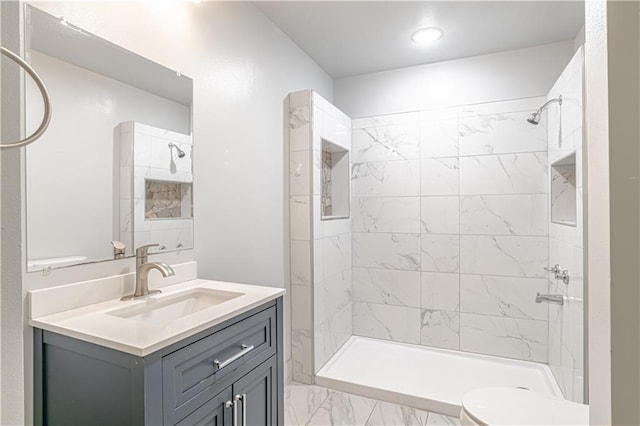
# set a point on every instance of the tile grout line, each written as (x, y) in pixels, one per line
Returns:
(459, 239)
(420, 226)
(330, 392)
(366, 422)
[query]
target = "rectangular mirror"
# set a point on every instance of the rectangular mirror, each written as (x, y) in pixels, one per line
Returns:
(114, 169)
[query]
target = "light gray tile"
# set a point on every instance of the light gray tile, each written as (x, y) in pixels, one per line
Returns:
(501, 107)
(318, 260)
(386, 178)
(385, 143)
(387, 251)
(440, 215)
(341, 409)
(440, 291)
(301, 262)
(385, 286)
(301, 356)
(398, 323)
(336, 253)
(504, 255)
(386, 414)
(524, 173)
(440, 329)
(336, 227)
(440, 253)
(504, 215)
(300, 218)
(508, 337)
(301, 307)
(405, 119)
(386, 214)
(300, 173)
(498, 133)
(331, 334)
(503, 296)
(439, 176)
(439, 138)
(332, 295)
(299, 128)
(301, 401)
(442, 420)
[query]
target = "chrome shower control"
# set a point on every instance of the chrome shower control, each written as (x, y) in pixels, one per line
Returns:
(558, 273)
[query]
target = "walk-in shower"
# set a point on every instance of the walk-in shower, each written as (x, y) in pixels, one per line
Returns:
(426, 289)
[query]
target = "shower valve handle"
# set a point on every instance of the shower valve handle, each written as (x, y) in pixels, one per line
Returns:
(554, 269)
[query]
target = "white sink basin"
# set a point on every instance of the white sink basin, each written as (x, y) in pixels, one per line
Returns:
(162, 311)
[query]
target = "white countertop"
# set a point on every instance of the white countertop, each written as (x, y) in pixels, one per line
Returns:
(96, 323)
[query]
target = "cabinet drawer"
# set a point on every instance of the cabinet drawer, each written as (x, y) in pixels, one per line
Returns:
(194, 374)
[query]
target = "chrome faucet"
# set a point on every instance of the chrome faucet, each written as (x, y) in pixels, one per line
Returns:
(142, 272)
(558, 299)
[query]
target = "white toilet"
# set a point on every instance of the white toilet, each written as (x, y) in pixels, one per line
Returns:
(514, 406)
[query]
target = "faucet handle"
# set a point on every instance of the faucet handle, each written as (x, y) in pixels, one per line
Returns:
(142, 251)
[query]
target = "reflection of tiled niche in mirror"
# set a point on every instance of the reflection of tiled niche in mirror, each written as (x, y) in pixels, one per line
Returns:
(563, 191)
(335, 181)
(167, 200)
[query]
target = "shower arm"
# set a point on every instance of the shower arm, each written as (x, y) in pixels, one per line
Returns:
(550, 101)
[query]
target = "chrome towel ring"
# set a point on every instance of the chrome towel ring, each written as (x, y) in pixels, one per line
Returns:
(46, 118)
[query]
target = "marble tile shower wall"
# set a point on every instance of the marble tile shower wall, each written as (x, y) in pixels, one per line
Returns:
(144, 155)
(450, 229)
(320, 251)
(566, 323)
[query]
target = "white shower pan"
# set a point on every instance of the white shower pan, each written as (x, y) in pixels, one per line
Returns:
(427, 378)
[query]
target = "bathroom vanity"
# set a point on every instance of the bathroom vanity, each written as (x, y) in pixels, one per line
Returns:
(202, 352)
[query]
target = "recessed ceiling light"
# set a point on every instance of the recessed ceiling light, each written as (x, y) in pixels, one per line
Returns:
(427, 35)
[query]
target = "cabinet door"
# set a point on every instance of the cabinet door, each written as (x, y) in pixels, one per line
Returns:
(218, 411)
(256, 395)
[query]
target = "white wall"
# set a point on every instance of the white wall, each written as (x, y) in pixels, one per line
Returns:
(76, 216)
(623, 51)
(507, 75)
(612, 71)
(243, 67)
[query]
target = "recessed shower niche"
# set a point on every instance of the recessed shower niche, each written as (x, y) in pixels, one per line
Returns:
(167, 200)
(563, 191)
(335, 182)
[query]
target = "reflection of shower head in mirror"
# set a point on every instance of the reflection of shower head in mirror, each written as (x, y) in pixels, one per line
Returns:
(180, 152)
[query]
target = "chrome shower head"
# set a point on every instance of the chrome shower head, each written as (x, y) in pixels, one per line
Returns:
(535, 117)
(180, 152)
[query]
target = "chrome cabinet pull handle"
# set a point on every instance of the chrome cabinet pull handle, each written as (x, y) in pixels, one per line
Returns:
(235, 410)
(244, 409)
(245, 350)
(230, 404)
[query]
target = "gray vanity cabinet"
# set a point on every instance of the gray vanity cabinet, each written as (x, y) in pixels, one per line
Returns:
(215, 412)
(228, 375)
(257, 391)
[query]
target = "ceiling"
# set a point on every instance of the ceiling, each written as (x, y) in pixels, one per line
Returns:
(357, 37)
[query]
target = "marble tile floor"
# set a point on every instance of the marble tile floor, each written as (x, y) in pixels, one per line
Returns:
(319, 406)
